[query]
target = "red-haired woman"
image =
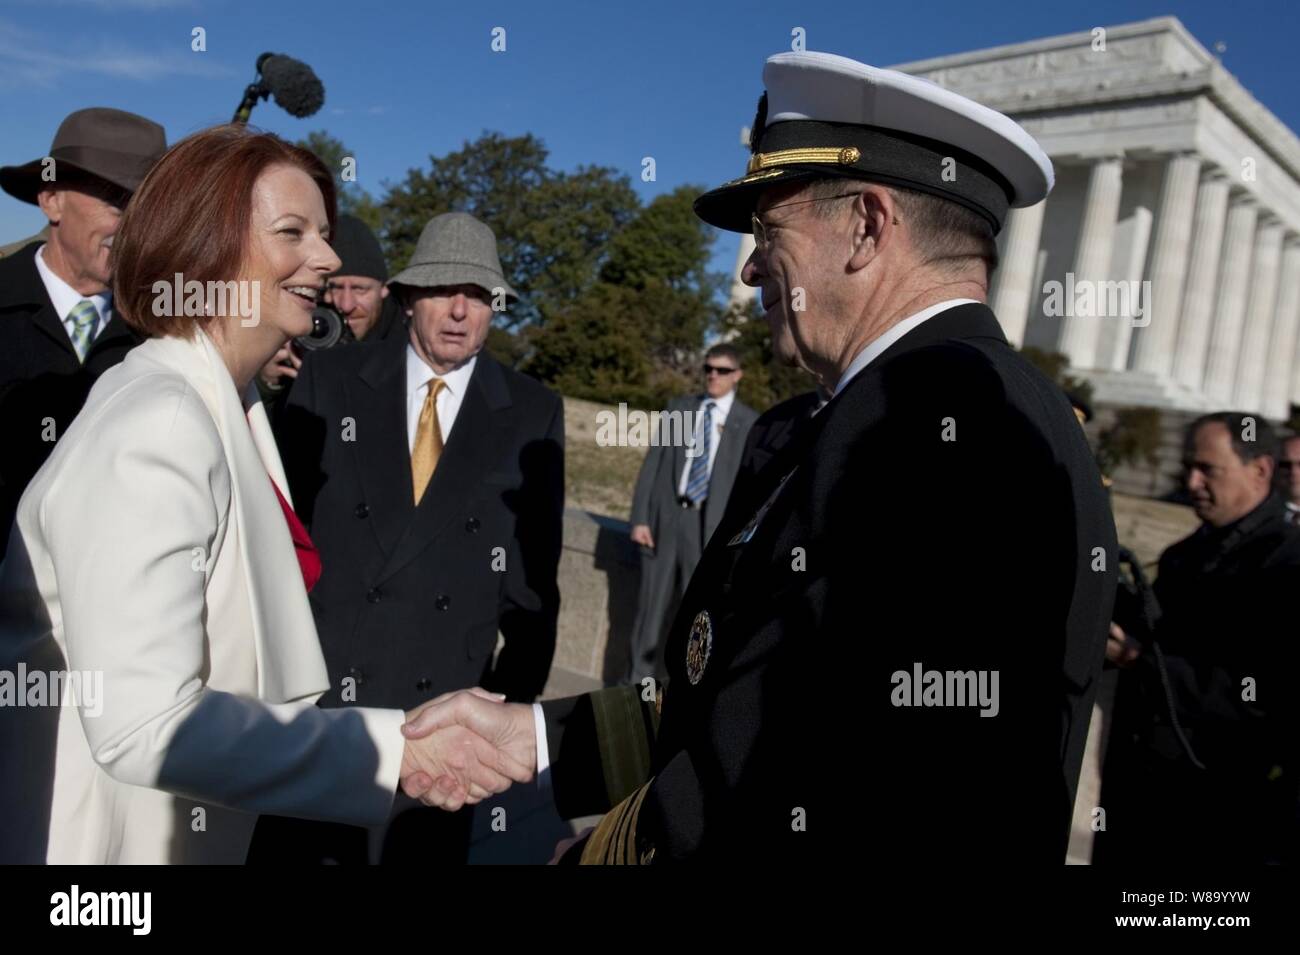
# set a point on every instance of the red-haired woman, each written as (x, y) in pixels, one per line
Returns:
(153, 565)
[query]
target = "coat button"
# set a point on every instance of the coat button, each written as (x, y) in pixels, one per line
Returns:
(357, 675)
(373, 595)
(442, 602)
(472, 525)
(424, 685)
(363, 510)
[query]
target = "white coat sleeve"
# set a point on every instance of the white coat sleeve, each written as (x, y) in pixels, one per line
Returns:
(130, 524)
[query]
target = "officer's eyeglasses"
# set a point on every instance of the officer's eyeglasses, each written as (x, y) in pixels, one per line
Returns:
(760, 230)
(718, 370)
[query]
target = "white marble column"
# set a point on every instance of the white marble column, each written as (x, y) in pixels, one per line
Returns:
(1248, 389)
(1092, 260)
(1230, 306)
(1202, 280)
(1154, 351)
(1015, 276)
(1286, 325)
(1132, 238)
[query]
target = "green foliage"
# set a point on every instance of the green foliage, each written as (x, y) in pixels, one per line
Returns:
(616, 298)
(767, 381)
(352, 198)
(1134, 436)
(1054, 365)
(553, 228)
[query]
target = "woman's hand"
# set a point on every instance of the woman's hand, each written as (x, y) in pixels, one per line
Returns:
(284, 364)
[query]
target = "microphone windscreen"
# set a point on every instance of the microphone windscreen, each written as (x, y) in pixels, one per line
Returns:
(295, 87)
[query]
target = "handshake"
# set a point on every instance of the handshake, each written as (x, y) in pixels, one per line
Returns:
(464, 746)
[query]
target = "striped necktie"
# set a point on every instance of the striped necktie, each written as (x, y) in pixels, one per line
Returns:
(84, 317)
(697, 482)
(428, 441)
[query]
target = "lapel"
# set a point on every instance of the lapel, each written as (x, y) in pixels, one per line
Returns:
(479, 436)
(289, 661)
(729, 443)
(21, 288)
(381, 453)
(691, 404)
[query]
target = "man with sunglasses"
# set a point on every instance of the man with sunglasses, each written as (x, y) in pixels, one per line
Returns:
(680, 497)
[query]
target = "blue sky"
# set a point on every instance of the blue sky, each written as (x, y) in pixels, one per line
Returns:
(600, 83)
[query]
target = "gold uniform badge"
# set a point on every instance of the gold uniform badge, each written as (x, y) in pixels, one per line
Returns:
(698, 647)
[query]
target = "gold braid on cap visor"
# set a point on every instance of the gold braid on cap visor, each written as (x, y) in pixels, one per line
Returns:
(840, 156)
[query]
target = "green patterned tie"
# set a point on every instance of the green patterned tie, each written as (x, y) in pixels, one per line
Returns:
(84, 317)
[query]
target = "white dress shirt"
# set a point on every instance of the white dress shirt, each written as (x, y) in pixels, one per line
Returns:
(721, 408)
(64, 298)
(418, 377)
(877, 347)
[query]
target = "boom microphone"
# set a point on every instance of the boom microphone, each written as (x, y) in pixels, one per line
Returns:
(296, 88)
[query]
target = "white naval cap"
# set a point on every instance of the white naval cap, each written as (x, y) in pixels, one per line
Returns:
(826, 115)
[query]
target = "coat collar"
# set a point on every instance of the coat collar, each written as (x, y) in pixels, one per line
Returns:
(480, 434)
(22, 290)
(289, 661)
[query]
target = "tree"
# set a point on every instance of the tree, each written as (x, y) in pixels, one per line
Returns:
(352, 198)
(767, 380)
(552, 228)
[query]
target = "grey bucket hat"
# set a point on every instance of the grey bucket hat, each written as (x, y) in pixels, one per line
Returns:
(455, 249)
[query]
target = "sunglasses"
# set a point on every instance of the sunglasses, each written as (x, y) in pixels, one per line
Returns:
(718, 369)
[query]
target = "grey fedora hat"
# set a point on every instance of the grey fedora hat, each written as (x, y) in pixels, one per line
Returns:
(110, 144)
(455, 249)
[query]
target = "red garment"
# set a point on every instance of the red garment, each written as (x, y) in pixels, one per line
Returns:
(308, 555)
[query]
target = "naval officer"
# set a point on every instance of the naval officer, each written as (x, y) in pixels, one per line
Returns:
(858, 668)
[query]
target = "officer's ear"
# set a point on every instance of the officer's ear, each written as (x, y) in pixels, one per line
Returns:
(875, 218)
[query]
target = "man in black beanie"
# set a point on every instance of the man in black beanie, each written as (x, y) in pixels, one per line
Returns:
(357, 291)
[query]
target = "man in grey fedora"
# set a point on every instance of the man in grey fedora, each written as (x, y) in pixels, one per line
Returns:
(58, 330)
(431, 478)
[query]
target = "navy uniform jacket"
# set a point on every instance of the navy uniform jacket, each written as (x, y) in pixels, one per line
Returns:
(943, 512)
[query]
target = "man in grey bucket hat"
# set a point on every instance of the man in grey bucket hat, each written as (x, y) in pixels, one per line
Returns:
(437, 509)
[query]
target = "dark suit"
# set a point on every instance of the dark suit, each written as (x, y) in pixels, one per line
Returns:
(943, 510)
(775, 428)
(679, 533)
(1226, 597)
(40, 375)
(411, 598)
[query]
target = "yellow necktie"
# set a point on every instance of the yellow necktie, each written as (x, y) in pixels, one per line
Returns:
(428, 441)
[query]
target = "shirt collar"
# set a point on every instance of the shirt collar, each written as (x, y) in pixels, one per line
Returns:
(723, 404)
(63, 296)
(877, 347)
(418, 374)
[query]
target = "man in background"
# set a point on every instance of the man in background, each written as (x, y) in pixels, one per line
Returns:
(357, 291)
(1202, 764)
(680, 497)
(58, 329)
